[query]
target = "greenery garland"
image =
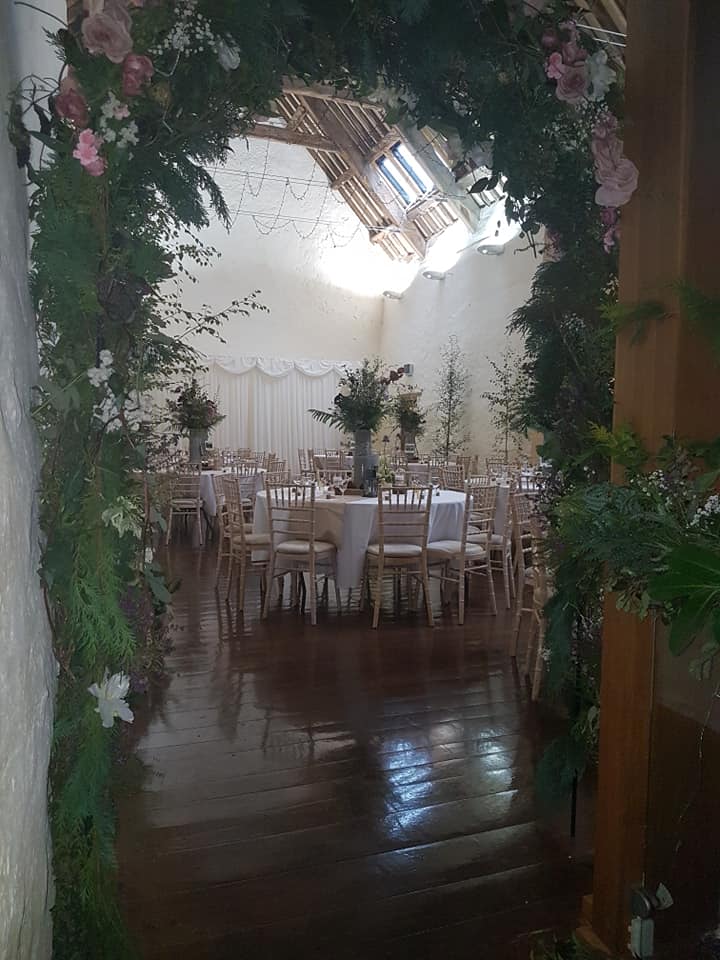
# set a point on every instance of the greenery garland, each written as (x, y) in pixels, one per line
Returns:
(149, 97)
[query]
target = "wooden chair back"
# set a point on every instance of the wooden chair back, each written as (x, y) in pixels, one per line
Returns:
(452, 477)
(404, 515)
(291, 512)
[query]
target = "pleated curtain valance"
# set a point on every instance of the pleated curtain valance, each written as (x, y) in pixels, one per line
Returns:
(277, 367)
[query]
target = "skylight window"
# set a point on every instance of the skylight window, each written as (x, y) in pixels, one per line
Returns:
(404, 174)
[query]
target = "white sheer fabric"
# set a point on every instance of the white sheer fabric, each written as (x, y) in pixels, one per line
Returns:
(266, 401)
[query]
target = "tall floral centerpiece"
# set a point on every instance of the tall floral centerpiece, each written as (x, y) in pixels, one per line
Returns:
(409, 418)
(195, 414)
(359, 408)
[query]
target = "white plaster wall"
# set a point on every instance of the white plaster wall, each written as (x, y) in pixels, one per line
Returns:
(26, 662)
(302, 247)
(474, 302)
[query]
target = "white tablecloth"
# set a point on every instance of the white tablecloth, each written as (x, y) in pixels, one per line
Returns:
(207, 490)
(349, 523)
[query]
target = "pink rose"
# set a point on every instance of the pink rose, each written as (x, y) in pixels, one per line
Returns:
(70, 103)
(608, 216)
(617, 187)
(573, 84)
(87, 153)
(137, 70)
(108, 32)
(573, 53)
(554, 67)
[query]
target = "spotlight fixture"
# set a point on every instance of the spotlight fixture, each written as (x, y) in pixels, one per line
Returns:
(492, 249)
(392, 295)
(433, 275)
(409, 369)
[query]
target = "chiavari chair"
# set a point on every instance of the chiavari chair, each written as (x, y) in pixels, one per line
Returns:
(403, 521)
(458, 560)
(294, 547)
(245, 548)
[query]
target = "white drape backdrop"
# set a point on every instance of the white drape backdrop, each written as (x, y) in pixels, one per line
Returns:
(266, 401)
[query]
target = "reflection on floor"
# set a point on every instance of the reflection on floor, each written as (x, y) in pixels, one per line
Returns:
(339, 792)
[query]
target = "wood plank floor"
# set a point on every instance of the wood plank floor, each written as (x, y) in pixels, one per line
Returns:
(338, 792)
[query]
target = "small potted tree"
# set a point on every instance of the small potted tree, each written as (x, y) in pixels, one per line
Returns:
(195, 414)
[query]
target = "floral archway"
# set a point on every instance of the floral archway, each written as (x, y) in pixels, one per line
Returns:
(149, 97)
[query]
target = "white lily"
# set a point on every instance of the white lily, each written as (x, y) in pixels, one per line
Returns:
(111, 695)
(601, 75)
(228, 55)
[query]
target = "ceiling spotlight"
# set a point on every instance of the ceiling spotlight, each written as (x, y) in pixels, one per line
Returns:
(492, 249)
(433, 275)
(392, 295)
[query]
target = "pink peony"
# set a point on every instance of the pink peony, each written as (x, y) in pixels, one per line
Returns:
(117, 9)
(108, 32)
(616, 175)
(554, 67)
(572, 86)
(617, 186)
(86, 152)
(96, 168)
(70, 103)
(137, 70)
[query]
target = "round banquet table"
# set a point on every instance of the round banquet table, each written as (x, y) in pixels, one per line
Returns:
(349, 523)
(207, 490)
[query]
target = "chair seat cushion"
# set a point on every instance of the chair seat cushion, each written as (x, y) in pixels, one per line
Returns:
(185, 503)
(395, 550)
(300, 547)
(445, 549)
(252, 539)
(496, 539)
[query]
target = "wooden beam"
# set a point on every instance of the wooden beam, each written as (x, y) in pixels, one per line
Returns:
(321, 92)
(266, 131)
(665, 385)
(368, 173)
(296, 119)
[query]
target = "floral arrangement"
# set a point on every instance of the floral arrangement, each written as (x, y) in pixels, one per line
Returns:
(364, 399)
(409, 418)
(583, 81)
(193, 409)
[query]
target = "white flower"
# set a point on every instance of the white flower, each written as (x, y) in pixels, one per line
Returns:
(124, 516)
(109, 136)
(148, 554)
(98, 376)
(128, 134)
(110, 106)
(111, 695)
(601, 75)
(228, 55)
(108, 412)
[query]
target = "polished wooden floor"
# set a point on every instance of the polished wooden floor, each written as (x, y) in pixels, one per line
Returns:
(338, 792)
